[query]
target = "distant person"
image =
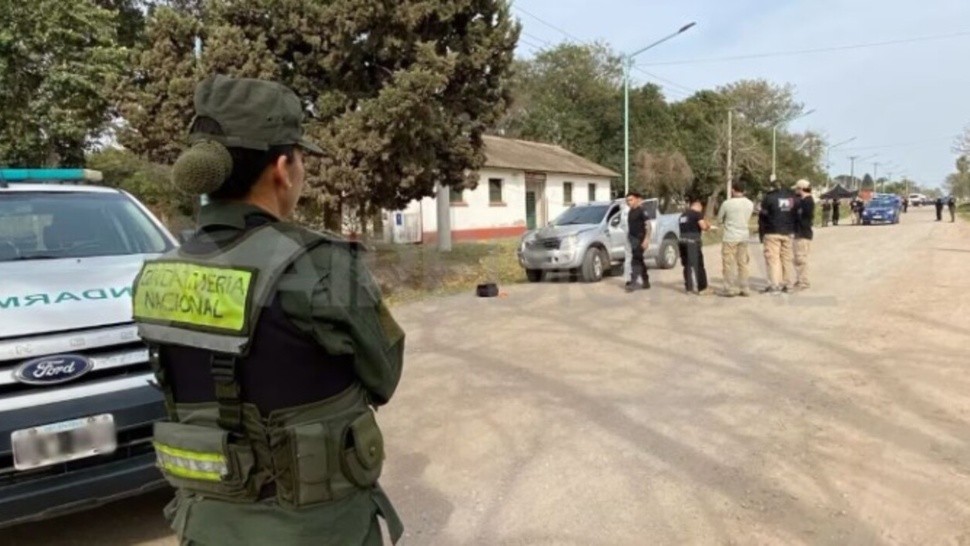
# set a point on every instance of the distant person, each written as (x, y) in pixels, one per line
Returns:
(692, 226)
(939, 209)
(905, 205)
(951, 204)
(734, 216)
(826, 212)
(858, 207)
(638, 237)
(776, 226)
(836, 212)
(804, 221)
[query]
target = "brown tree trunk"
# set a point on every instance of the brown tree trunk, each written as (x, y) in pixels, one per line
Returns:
(333, 215)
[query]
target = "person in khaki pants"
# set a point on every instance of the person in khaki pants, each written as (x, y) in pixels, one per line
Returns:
(804, 219)
(776, 225)
(734, 215)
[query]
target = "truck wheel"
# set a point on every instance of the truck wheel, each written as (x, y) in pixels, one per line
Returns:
(667, 256)
(534, 275)
(594, 265)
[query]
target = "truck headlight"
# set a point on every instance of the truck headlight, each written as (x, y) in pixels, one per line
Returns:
(568, 244)
(527, 239)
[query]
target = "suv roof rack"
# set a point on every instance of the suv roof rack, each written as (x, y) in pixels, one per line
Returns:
(48, 176)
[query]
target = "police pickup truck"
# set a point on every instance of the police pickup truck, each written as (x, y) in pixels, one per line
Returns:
(76, 399)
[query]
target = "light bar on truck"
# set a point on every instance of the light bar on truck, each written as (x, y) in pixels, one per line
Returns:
(48, 176)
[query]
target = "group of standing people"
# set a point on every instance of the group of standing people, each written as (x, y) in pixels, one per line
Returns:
(951, 204)
(785, 228)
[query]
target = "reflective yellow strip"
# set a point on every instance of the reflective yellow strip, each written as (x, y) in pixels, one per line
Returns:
(195, 465)
(189, 473)
(193, 294)
(191, 455)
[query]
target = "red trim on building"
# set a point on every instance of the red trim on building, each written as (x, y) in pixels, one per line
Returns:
(484, 234)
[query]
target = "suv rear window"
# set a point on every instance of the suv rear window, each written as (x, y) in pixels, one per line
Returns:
(46, 225)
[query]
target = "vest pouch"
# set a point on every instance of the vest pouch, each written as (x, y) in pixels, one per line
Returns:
(203, 460)
(310, 460)
(363, 450)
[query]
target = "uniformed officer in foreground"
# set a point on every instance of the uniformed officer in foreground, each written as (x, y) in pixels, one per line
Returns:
(269, 341)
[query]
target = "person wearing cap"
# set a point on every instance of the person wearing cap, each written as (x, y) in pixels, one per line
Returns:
(804, 220)
(269, 342)
(776, 226)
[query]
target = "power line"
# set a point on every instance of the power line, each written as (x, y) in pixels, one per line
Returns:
(899, 144)
(536, 38)
(676, 85)
(547, 23)
(808, 51)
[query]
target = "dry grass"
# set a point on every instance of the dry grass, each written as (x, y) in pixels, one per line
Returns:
(411, 272)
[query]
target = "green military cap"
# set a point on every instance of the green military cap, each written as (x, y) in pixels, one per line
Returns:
(254, 114)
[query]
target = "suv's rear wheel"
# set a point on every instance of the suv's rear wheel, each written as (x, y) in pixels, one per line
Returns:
(594, 265)
(534, 275)
(667, 255)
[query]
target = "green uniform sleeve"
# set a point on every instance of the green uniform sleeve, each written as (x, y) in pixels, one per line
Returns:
(333, 297)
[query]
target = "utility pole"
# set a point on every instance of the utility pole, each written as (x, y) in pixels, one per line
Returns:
(875, 175)
(443, 203)
(852, 159)
(730, 151)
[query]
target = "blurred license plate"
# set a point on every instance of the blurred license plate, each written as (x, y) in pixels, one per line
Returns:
(61, 442)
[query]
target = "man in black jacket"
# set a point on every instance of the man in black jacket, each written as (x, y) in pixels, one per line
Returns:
(776, 225)
(939, 209)
(804, 220)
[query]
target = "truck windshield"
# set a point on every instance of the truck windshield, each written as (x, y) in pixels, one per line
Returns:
(42, 225)
(592, 214)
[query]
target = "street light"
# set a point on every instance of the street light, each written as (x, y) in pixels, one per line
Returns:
(627, 67)
(774, 141)
(828, 163)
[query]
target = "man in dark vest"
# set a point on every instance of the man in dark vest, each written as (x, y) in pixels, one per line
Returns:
(939, 209)
(269, 341)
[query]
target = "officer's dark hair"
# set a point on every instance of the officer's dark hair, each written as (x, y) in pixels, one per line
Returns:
(636, 194)
(247, 164)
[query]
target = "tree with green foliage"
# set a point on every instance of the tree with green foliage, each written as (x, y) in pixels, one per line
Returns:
(57, 60)
(402, 92)
(867, 182)
(569, 96)
(762, 104)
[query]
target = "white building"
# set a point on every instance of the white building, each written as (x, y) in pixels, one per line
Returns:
(522, 185)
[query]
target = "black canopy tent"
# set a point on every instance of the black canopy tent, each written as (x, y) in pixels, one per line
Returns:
(838, 192)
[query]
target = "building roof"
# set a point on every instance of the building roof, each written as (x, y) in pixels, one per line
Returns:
(524, 155)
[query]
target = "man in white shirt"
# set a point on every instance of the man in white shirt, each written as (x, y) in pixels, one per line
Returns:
(735, 216)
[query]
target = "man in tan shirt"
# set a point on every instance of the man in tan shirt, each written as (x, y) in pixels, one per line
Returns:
(735, 214)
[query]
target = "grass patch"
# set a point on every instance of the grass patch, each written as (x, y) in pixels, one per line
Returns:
(964, 211)
(408, 273)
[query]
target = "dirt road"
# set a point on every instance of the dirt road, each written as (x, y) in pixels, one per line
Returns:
(580, 415)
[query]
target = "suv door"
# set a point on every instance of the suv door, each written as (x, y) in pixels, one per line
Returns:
(616, 233)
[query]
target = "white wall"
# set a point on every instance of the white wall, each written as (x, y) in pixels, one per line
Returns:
(555, 192)
(481, 214)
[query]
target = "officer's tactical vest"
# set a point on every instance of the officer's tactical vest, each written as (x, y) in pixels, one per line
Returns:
(226, 450)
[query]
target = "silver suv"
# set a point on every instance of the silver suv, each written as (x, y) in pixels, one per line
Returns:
(588, 241)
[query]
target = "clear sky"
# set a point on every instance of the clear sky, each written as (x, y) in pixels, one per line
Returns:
(905, 102)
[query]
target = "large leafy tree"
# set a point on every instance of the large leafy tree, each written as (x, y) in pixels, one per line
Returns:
(402, 92)
(762, 104)
(56, 61)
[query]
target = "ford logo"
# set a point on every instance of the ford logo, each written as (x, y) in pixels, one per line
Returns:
(51, 370)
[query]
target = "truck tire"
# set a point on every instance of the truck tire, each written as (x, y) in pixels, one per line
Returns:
(594, 265)
(667, 255)
(534, 275)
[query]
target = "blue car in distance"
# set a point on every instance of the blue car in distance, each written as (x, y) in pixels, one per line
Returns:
(882, 208)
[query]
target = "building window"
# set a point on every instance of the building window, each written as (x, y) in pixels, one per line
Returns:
(567, 193)
(592, 193)
(455, 195)
(495, 191)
